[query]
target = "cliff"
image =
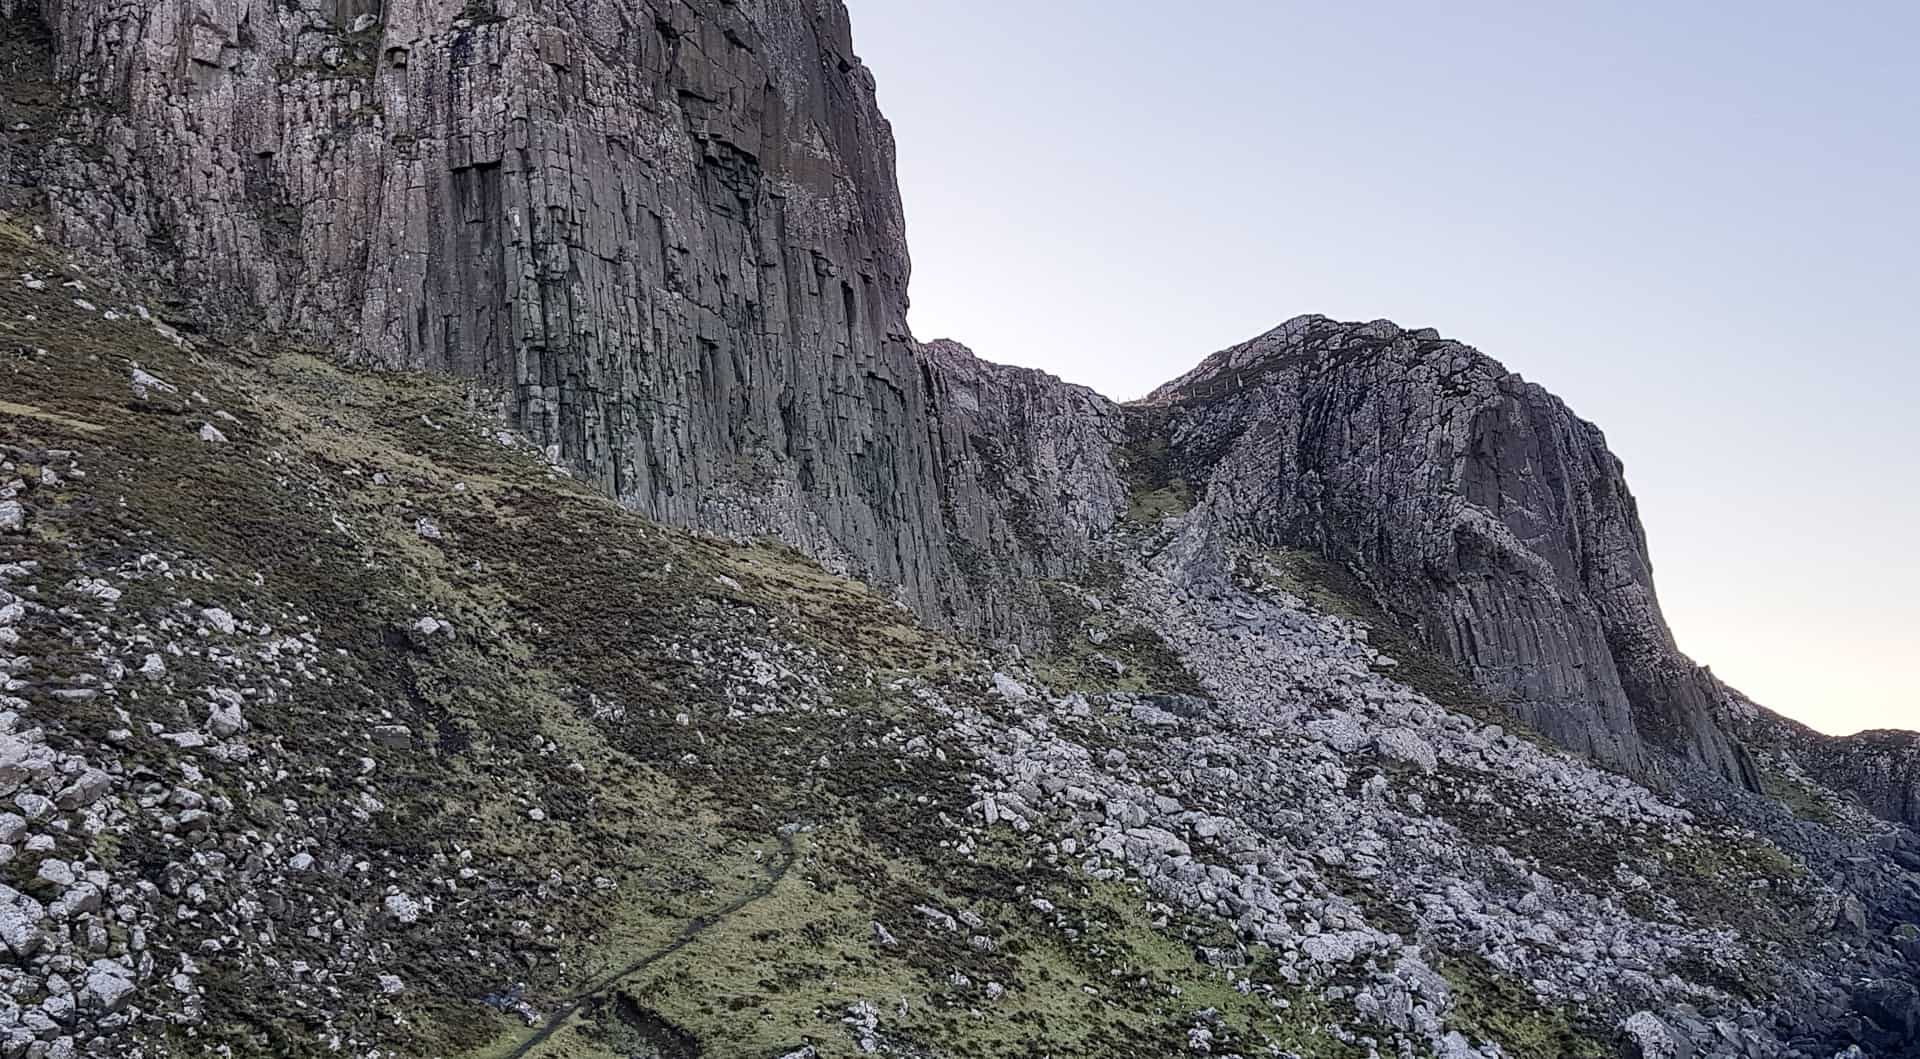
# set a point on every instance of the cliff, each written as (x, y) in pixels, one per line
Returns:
(669, 232)
(1477, 508)
(335, 720)
(1879, 768)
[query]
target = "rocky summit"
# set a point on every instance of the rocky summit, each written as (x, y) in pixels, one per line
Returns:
(486, 572)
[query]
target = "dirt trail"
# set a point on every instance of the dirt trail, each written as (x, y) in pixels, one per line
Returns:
(688, 934)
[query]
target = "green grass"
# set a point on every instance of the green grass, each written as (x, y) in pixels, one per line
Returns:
(560, 600)
(1076, 663)
(1155, 488)
(1157, 505)
(1803, 800)
(1490, 1006)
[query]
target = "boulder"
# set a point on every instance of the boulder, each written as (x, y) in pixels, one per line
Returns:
(1404, 745)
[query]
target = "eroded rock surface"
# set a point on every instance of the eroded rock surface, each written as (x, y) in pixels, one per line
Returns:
(668, 230)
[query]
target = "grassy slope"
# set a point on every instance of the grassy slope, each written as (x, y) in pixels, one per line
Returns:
(601, 672)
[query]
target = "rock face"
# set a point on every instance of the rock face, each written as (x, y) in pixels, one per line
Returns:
(1478, 508)
(1880, 768)
(1027, 478)
(433, 708)
(668, 231)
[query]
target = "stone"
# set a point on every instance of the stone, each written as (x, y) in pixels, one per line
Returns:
(1336, 948)
(1339, 730)
(59, 1008)
(1652, 1038)
(393, 736)
(89, 787)
(18, 932)
(403, 909)
(1852, 917)
(109, 986)
(224, 720)
(13, 516)
(1010, 689)
(1405, 746)
(55, 872)
(33, 806)
(81, 898)
(146, 384)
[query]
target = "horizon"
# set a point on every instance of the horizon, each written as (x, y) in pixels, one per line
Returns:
(1673, 221)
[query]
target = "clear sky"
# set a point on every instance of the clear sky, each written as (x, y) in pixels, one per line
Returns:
(1697, 223)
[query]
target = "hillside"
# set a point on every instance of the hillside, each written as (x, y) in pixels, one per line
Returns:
(338, 717)
(486, 572)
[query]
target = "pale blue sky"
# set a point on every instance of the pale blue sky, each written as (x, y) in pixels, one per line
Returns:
(1697, 223)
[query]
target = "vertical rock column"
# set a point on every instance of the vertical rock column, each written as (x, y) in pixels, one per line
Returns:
(668, 230)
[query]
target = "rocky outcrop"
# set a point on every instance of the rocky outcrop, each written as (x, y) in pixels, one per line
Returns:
(1027, 479)
(1880, 768)
(433, 717)
(1475, 505)
(668, 230)
(363, 713)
